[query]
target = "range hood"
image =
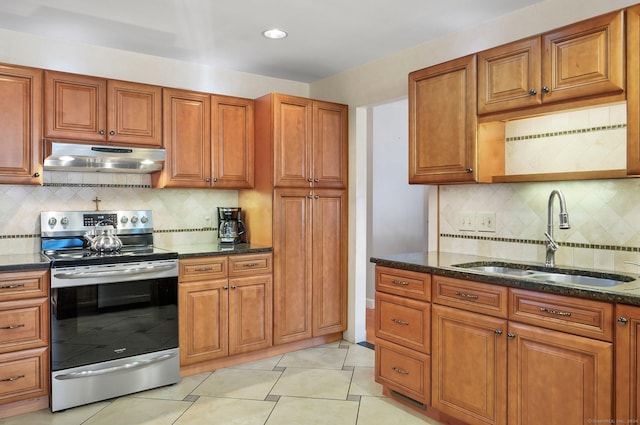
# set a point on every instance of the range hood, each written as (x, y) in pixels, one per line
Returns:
(64, 156)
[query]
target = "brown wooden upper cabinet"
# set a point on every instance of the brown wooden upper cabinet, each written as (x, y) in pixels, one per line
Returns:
(309, 143)
(443, 122)
(91, 109)
(633, 90)
(232, 142)
(578, 61)
(209, 141)
(20, 125)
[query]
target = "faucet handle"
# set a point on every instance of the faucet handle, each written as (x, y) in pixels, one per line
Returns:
(551, 244)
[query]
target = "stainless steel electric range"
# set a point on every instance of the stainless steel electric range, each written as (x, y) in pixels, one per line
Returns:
(114, 306)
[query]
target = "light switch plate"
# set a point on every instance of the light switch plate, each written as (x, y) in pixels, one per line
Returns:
(486, 221)
(467, 221)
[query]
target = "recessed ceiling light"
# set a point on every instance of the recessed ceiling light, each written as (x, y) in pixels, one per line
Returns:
(274, 33)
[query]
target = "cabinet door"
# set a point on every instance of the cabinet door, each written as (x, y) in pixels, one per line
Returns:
(557, 378)
(250, 313)
(292, 265)
(186, 134)
(20, 125)
(75, 107)
(330, 144)
(203, 308)
(627, 362)
(329, 261)
(443, 122)
(232, 142)
(134, 114)
(584, 59)
(509, 76)
(292, 122)
(633, 90)
(469, 362)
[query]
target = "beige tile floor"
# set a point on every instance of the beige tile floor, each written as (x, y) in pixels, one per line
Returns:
(331, 384)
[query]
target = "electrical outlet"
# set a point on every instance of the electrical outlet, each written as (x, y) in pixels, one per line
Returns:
(467, 221)
(486, 221)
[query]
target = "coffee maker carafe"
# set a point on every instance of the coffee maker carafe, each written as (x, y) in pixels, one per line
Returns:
(230, 225)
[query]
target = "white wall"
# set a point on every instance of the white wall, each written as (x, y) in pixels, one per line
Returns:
(397, 212)
(24, 49)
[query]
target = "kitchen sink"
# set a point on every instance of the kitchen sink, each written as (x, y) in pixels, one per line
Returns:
(577, 277)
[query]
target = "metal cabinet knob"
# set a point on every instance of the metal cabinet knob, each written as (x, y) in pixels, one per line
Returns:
(469, 170)
(101, 132)
(623, 320)
(498, 332)
(511, 335)
(533, 92)
(545, 89)
(36, 174)
(112, 133)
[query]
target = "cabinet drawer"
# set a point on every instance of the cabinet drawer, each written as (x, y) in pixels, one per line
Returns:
(403, 282)
(468, 295)
(24, 284)
(593, 319)
(403, 370)
(24, 374)
(404, 321)
(23, 324)
(250, 264)
(203, 268)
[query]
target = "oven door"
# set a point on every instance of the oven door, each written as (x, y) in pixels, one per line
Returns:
(99, 322)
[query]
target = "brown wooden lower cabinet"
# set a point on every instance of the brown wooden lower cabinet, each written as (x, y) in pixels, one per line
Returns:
(224, 313)
(527, 358)
(627, 337)
(469, 359)
(557, 378)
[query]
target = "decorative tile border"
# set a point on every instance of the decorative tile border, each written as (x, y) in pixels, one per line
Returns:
(566, 132)
(26, 236)
(129, 186)
(202, 229)
(540, 242)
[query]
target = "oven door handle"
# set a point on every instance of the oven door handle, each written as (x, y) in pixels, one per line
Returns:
(126, 272)
(115, 369)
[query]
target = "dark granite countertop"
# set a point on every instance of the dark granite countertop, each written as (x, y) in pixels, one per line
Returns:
(33, 261)
(210, 249)
(443, 264)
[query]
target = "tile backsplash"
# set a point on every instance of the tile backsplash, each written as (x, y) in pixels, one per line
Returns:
(180, 215)
(582, 140)
(604, 216)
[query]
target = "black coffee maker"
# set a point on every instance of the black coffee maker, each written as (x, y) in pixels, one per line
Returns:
(230, 225)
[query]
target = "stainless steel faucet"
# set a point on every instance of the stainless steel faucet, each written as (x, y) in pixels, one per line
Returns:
(552, 246)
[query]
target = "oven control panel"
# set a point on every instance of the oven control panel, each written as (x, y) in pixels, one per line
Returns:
(61, 223)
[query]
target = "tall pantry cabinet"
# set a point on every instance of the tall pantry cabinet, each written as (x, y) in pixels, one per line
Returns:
(299, 206)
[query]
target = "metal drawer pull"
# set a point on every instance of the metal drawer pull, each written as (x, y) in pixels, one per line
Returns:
(465, 295)
(401, 371)
(13, 378)
(556, 312)
(203, 269)
(250, 265)
(400, 322)
(12, 326)
(399, 282)
(12, 286)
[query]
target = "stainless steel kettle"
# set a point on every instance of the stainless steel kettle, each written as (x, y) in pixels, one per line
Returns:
(104, 238)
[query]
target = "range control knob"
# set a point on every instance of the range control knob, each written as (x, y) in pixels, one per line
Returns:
(134, 219)
(52, 221)
(124, 220)
(144, 219)
(64, 221)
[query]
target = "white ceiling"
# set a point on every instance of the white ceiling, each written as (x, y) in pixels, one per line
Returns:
(325, 36)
